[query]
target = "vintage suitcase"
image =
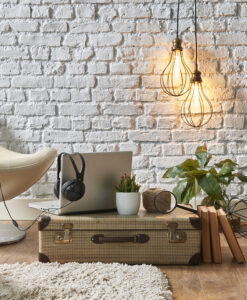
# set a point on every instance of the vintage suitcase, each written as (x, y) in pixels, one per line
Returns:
(148, 238)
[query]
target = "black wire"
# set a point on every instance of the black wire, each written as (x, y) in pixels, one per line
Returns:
(178, 18)
(15, 223)
(196, 33)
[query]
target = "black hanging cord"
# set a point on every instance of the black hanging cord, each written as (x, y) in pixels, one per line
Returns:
(196, 33)
(178, 18)
(15, 223)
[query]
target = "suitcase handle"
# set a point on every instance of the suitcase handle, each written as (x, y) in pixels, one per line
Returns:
(101, 239)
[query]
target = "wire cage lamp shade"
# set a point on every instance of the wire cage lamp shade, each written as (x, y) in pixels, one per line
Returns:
(197, 109)
(175, 78)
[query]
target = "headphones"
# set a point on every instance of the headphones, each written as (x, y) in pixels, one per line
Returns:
(73, 189)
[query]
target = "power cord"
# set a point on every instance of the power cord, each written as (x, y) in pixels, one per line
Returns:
(15, 223)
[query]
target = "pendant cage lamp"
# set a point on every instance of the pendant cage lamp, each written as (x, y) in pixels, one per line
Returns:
(175, 78)
(197, 109)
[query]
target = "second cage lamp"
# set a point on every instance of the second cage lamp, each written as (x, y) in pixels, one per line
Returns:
(175, 79)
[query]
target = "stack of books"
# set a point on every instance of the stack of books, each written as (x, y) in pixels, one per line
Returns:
(211, 249)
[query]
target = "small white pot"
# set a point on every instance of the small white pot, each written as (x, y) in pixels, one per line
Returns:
(128, 203)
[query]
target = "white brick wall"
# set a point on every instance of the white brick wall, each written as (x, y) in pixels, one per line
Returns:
(83, 75)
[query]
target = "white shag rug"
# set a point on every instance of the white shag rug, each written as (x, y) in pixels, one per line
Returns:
(88, 281)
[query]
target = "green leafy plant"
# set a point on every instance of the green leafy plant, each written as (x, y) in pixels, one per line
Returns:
(196, 176)
(127, 185)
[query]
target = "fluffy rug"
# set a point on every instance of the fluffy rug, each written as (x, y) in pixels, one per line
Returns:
(96, 281)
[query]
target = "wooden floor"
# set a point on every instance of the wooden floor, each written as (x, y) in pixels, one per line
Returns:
(226, 281)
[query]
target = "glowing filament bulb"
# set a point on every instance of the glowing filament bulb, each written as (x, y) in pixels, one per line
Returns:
(175, 79)
(197, 110)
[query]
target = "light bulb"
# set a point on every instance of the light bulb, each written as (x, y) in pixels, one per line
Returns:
(175, 79)
(197, 109)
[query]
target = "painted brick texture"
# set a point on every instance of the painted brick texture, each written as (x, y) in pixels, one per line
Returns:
(83, 75)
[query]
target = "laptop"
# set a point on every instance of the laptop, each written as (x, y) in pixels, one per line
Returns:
(102, 173)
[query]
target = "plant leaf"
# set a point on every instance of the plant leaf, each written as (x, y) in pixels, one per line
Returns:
(196, 173)
(201, 155)
(207, 201)
(174, 172)
(241, 177)
(179, 189)
(210, 185)
(221, 163)
(190, 164)
(227, 168)
(189, 192)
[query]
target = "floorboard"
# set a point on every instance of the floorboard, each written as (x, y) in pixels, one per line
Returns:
(203, 282)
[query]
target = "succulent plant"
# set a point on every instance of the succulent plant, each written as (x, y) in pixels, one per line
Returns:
(127, 185)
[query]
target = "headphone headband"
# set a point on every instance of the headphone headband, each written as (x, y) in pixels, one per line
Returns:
(79, 175)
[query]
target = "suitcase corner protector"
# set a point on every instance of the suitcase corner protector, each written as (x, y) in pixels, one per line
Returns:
(43, 258)
(196, 222)
(195, 259)
(43, 222)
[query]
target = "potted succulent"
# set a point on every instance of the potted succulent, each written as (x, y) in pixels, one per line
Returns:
(196, 177)
(127, 196)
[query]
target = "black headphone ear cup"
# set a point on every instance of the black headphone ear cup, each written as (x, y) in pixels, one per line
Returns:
(57, 188)
(73, 190)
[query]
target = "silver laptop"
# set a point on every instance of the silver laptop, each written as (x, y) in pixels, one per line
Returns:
(102, 173)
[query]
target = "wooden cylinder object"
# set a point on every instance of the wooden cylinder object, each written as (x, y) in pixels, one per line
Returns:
(148, 198)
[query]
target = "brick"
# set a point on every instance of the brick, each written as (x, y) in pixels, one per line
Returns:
(144, 40)
(107, 13)
(55, 27)
(149, 136)
(31, 68)
(100, 123)
(16, 122)
(232, 135)
(213, 26)
(120, 68)
(172, 149)
(76, 69)
(74, 82)
(24, 26)
(129, 12)
(54, 68)
(17, 11)
(166, 123)
(226, 9)
(37, 109)
(153, 27)
(161, 12)
(82, 95)
(134, 148)
(124, 27)
(139, 162)
(124, 95)
(7, 40)
(40, 53)
(235, 39)
(104, 54)
(60, 95)
(160, 109)
(39, 95)
(10, 69)
(83, 148)
(82, 124)
(118, 81)
(166, 162)
(40, 40)
(16, 95)
(97, 68)
(83, 54)
(75, 40)
(41, 12)
(64, 12)
(4, 82)
(32, 82)
(146, 95)
(90, 27)
(61, 54)
(188, 135)
(151, 149)
(108, 136)
(105, 39)
(85, 11)
(63, 136)
(60, 123)
(37, 122)
(145, 122)
(102, 95)
(119, 109)
(78, 109)
(122, 122)
(232, 121)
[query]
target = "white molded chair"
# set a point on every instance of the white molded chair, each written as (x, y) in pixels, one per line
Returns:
(18, 172)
